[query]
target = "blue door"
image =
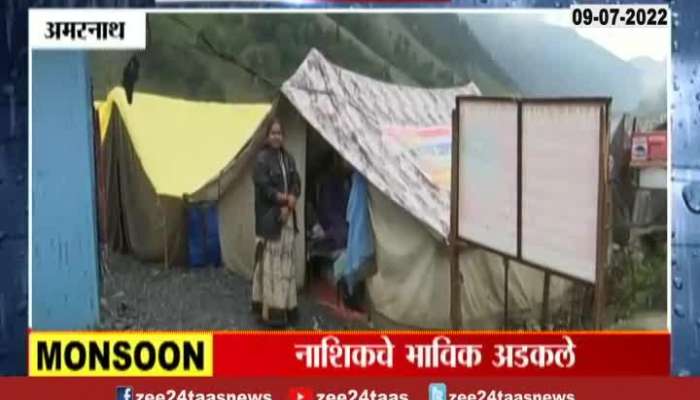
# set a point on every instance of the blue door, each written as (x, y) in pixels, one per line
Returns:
(65, 267)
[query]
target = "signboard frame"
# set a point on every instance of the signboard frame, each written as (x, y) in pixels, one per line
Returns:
(456, 160)
(603, 207)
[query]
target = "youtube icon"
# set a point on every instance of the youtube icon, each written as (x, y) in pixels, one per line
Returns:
(301, 393)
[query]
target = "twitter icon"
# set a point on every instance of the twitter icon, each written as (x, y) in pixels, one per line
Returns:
(437, 391)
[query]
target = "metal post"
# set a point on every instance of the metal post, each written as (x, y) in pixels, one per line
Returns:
(544, 318)
(506, 293)
(455, 280)
(520, 182)
(603, 218)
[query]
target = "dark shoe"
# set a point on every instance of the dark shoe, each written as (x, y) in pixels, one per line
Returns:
(277, 318)
(293, 316)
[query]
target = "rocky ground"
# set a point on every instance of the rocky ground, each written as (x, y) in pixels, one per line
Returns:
(139, 296)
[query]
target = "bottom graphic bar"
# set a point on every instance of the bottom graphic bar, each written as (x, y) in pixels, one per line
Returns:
(351, 389)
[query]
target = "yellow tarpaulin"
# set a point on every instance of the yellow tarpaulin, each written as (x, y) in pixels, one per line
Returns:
(182, 144)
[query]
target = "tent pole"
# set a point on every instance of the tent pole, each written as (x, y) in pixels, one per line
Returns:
(544, 319)
(165, 241)
(218, 185)
(604, 217)
(506, 268)
(455, 287)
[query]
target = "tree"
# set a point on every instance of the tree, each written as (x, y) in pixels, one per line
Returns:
(263, 27)
(284, 35)
(312, 30)
(445, 77)
(398, 49)
(427, 68)
(386, 73)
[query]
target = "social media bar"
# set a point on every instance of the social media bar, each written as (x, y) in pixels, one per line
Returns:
(438, 391)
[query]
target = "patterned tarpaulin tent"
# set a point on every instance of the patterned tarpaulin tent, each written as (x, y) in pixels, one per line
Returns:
(355, 114)
(409, 201)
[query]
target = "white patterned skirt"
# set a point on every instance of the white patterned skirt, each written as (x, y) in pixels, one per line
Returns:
(274, 277)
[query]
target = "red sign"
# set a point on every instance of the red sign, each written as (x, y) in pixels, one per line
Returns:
(649, 149)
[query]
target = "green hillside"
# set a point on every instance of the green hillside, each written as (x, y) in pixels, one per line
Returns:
(246, 57)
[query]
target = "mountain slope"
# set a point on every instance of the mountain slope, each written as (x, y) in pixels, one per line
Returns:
(568, 66)
(653, 94)
(245, 57)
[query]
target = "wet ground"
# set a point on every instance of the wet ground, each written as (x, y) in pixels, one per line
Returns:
(643, 320)
(139, 296)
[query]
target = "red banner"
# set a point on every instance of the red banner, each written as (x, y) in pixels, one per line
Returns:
(453, 354)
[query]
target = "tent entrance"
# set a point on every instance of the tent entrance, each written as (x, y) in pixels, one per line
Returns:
(328, 184)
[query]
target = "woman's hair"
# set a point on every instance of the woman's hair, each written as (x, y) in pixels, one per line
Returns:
(273, 121)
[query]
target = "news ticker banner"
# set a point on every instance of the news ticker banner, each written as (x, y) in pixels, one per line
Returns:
(346, 354)
(322, 388)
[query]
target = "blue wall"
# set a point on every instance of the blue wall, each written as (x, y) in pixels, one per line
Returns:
(64, 248)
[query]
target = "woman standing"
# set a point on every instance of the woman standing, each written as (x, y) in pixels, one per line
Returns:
(277, 187)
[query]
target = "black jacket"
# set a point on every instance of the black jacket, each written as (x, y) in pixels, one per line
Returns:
(268, 180)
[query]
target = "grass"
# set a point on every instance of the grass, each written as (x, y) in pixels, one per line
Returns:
(636, 280)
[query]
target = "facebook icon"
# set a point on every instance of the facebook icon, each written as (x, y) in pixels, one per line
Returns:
(125, 393)
(437, 391)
